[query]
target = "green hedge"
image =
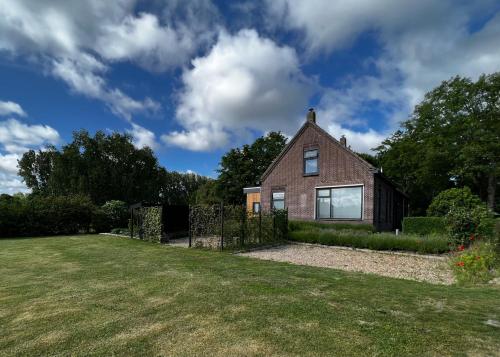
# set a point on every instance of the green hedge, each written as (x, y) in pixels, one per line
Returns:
(377, 241)
(37, 216)
(424, 225)
(307, 225)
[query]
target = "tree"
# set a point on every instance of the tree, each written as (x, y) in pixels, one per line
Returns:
(180, 188)
(454, 197)
(451, 140)
(242, 167)
(207, 193)
(103, 167)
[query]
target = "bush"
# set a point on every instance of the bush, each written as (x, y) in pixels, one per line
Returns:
(101, 223)
(301, 225)
(117, 213)
(376, 241)
(36, 215)
(454, 197)
(424, 225)
(466, 225)
(475, 264)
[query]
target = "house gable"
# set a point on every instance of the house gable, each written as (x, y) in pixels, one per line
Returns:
(309, 126)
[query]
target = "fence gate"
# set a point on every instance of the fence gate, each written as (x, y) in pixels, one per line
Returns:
(225, 226)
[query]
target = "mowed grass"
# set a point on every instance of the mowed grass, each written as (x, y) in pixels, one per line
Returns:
(97, 295)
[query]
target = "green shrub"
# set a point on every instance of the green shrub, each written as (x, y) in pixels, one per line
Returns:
(376, 241)
(301, 225)
(465, 224)
(37, 215)
(454, 197)
(424, 225)
(475, 264)
(100, 221)
(117, 213)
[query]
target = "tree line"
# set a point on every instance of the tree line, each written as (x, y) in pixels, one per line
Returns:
(452, 139)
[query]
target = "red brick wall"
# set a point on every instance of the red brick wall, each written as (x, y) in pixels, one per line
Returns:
(337, 166)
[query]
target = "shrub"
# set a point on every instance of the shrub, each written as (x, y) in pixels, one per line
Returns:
(454, 197)
(301, 225)
(117, 213)
(100, 221)
(37, 215)
(424, 225)
(465, 224)
(377, 241)
(475, 264)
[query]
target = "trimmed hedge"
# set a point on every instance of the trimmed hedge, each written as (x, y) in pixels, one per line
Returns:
(307, 225)
(424, 225)
(377, 241)
(37, 215)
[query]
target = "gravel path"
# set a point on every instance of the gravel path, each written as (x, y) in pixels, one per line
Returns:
(396, 265)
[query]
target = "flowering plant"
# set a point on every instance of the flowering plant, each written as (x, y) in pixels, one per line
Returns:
(475, 264)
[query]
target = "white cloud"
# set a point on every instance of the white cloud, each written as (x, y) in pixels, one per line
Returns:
(15, 139)
(421, 44)
(143, 137)
(246, 82)
(76, 40)
(8, 107)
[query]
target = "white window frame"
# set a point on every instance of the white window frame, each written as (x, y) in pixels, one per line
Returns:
(362, 185)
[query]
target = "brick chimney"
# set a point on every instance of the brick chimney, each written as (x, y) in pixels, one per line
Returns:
(343, 141)
(311, 115)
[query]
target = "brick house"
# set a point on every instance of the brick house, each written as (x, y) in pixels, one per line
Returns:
(317, 177)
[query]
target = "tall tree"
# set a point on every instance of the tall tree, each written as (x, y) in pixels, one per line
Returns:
(242, 167)
(452, 139)
(103, 167)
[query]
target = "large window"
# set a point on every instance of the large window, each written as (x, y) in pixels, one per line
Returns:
(278, 200)
(339, 203)
(311, 162)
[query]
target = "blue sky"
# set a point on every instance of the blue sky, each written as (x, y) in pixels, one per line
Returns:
(194, 78)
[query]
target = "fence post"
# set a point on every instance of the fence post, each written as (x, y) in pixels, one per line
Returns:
(222, 226)
(260, 226)
(274, 225)
(243, 226)
(132, 223)
(189, 227)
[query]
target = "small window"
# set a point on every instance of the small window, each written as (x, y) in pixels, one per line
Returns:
(311, 162)
(278, 200)
(256, 207)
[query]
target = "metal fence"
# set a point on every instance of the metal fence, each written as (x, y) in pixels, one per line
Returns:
(232, 227)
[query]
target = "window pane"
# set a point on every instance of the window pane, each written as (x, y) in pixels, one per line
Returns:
(311, 166)
(256, 207)
(347, 202)
(310, 153)
(324, 207)
(278, 195)
(279, 204)
(324, 193)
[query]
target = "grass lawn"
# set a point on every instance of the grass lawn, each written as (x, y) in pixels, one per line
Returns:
(97, 295)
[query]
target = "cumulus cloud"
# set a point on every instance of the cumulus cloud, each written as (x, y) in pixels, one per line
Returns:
(15, 139)
(422, 43)
(8, 108)
(246, 82)
(143, 137)
(77, 39)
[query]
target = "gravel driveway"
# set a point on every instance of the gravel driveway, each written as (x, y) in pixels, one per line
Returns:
(396, 265)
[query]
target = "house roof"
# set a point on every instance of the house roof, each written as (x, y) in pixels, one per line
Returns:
(251, 189)
(323, 132)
